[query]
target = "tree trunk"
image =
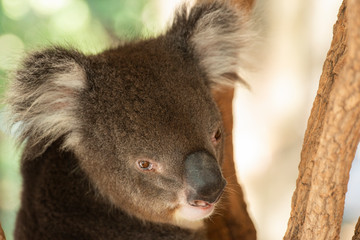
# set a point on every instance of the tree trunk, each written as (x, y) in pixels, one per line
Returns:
(232, 221)
(2, 234)
(357, 231)
(331, 137)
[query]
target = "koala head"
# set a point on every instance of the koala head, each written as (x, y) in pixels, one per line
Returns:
(140, 118)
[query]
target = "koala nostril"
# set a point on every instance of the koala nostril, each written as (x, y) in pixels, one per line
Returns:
(199, 203)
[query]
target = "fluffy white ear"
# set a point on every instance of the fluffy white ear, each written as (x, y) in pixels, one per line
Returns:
(43, 97)
(221, 38)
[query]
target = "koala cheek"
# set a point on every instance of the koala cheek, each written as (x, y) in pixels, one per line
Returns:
(146, 195)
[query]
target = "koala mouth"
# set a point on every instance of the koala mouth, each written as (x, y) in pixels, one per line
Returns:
(195, 211)
(203, 187)
(200, 204)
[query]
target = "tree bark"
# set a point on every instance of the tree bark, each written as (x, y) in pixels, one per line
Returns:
(357, 231)
(2, 234)
(331, 137)
(232, 221)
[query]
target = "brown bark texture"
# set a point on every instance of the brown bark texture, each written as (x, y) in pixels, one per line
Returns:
(331, 137)
(2, 234)
(357, 231)
(232, 221)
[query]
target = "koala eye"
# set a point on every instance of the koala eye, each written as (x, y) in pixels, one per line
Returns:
(145, 165)
(217, 136)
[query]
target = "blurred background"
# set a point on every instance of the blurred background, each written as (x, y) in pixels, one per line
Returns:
(270, 120)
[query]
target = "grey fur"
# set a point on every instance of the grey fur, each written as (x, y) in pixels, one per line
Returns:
(43, 95)
(88, 120)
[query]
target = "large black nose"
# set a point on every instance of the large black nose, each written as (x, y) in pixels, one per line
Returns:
(203, 175)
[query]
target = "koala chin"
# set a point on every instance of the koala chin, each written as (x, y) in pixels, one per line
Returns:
(128, 143)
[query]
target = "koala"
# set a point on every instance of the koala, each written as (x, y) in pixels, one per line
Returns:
(127, 143)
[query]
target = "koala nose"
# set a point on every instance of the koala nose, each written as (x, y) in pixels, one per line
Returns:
(203, 175)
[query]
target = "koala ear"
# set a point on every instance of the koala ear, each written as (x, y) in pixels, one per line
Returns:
(219, 36)
(43, 97)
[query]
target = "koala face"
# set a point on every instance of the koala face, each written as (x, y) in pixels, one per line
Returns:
(140, 118)
(153, 131)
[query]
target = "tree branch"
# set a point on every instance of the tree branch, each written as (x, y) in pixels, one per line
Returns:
(357, 231)
(331, 137)
(2, 234)
(232, 221)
